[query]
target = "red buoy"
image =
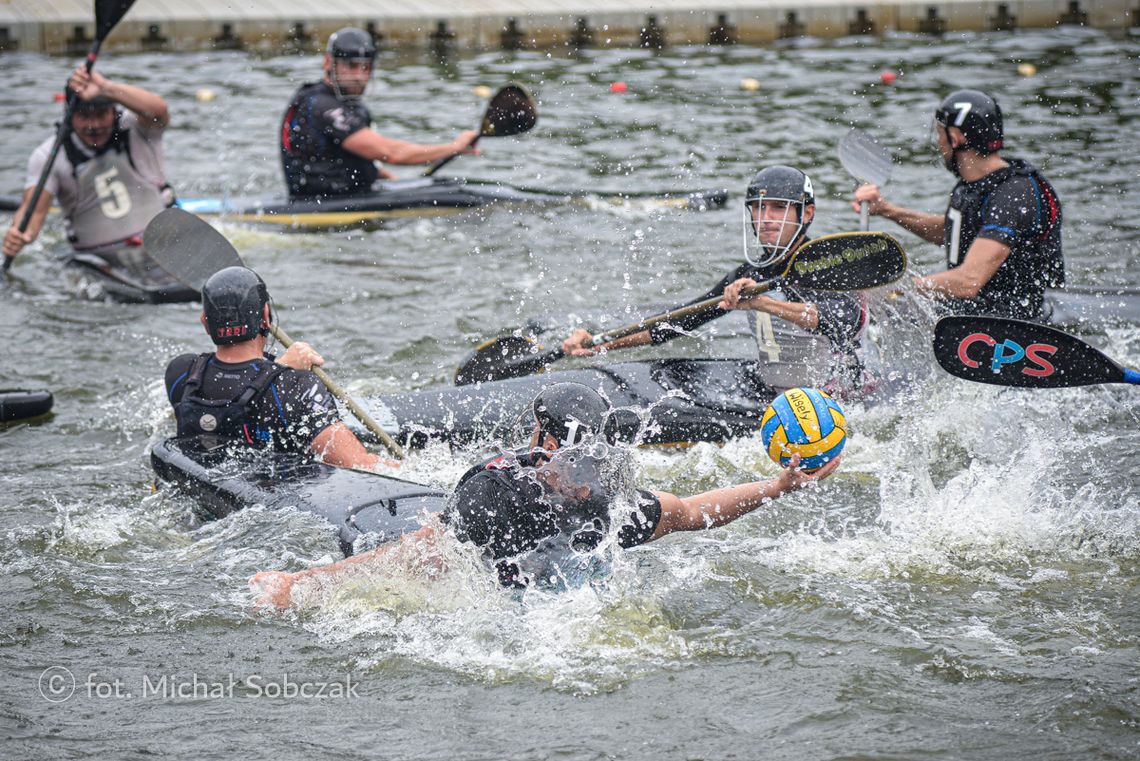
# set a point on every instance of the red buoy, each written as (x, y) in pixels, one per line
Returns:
(618, 87)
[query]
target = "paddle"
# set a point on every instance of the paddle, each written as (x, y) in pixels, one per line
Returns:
(1007, 352)
(511, 111)
(191, 251)
(107, 14)
(866, 161)
(840, 262)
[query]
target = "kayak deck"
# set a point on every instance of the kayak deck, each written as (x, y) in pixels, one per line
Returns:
(684, 401)
(425, 196)
(127, 275)
(365, 508)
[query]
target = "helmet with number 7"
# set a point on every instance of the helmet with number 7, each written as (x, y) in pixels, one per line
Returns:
(977, 115)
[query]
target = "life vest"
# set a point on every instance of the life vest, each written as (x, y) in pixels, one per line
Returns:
(316, 164)
(114, 201)
(222, 419)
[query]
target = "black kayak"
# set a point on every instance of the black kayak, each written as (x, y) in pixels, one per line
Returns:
(127, 275)
(366, 509)
(425, 196)
(22, 404)
(684, 401)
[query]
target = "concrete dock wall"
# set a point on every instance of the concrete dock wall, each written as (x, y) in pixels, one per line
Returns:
(65, 27)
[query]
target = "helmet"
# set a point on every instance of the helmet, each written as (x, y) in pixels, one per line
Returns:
(352, 43)
(96, 103)
(775, 183)
(977, 115)
(570, 411)
(349, 44)
(233, 301)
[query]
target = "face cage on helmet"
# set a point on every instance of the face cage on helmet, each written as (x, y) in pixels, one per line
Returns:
(758, 254)
(336, 81)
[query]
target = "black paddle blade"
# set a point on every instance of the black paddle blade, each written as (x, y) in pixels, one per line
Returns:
(108, 13)
(504, 357)
(864, 159)
(188, 247)
(1006, 352)
(511, 112)
(847, 262)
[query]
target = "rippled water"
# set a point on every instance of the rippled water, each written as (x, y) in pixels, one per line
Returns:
(964, 587)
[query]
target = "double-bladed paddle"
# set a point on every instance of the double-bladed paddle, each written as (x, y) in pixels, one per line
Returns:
(108, 13)
(866, 161)
(191, 250)
(511, 111)
(840, 262)
(1006, 352)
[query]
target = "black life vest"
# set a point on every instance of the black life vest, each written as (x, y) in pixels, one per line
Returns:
(223, 419)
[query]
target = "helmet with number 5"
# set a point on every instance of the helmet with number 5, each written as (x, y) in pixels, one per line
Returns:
(977, 115)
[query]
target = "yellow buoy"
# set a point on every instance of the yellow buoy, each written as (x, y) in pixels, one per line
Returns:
(748, 84)
(204, 95)
(1026, 69)
(482, 91)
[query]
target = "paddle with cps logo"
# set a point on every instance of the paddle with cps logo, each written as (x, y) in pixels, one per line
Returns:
(1006, 352)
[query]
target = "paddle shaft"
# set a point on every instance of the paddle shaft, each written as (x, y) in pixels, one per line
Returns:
(335, 389)
(677, 314)
(444, 162)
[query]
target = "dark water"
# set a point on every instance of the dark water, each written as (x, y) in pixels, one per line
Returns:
(964, 588)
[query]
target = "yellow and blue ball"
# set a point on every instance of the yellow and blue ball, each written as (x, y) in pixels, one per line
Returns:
(807, 422)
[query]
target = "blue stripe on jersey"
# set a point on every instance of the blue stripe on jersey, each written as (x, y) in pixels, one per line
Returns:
(170, 391)
(280, 411)
(1008, 231)
(1037, 195)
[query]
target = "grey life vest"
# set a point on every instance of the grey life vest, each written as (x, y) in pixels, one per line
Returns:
(114, 201)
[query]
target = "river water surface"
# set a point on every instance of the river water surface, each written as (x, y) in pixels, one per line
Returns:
(965, 587)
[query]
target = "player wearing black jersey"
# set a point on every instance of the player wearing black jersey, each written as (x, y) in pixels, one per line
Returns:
(328, 146)
(1002, 228)
(538, 515)
(816, 334)
(239, 395)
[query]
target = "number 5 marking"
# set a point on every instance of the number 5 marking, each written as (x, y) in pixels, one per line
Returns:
(115, 201)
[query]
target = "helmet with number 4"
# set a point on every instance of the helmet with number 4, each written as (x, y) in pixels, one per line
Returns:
(789, 192)
(977, 115)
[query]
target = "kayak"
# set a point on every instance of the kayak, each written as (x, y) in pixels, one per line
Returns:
(365, 509)
(425, 196)
(127, 275)
(22, 404)
(684, 401)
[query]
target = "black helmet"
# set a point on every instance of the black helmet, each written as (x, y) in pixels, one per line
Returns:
(233, 301)
(570, 411)
(96, 103)
(977, 115)
(775, 183)
(782, 182)
(351, 42)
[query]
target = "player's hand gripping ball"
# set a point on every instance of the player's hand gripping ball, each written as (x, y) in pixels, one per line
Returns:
(807, 422)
